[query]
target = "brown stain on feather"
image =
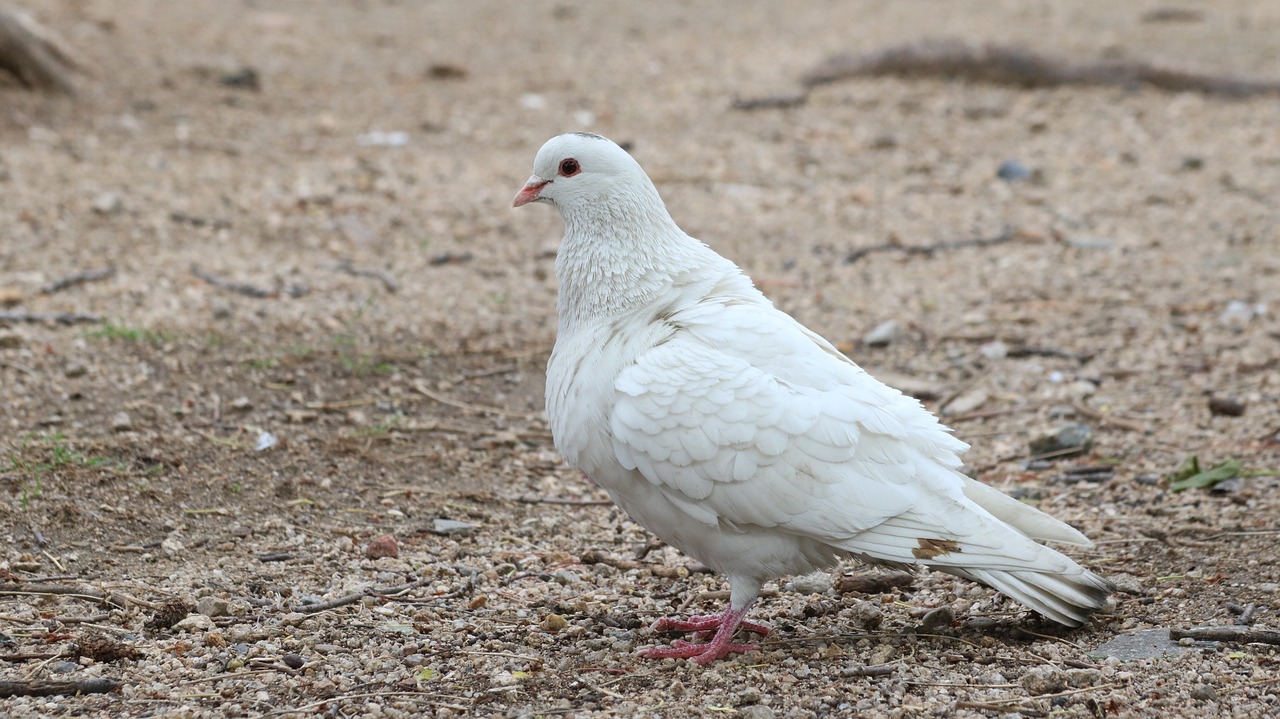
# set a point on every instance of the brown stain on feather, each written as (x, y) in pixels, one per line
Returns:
(930, 548)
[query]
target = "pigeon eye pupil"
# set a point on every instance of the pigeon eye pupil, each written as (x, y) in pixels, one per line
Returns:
(569, 167)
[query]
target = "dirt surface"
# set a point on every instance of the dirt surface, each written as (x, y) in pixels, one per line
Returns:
(256, 143)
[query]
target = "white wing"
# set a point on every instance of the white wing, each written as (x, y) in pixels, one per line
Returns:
(744, 418)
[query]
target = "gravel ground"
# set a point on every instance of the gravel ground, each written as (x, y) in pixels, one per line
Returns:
(304, 209)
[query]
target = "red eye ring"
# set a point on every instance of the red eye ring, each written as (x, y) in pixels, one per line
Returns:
(569, 167)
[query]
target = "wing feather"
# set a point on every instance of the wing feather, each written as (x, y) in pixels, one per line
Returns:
(758, 432)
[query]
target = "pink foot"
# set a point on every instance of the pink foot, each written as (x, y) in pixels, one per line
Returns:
(721, 645)
(704, 623)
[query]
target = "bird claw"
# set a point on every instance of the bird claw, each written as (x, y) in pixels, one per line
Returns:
(724, 625)
(700, 653)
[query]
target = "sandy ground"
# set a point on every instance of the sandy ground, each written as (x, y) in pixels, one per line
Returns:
(413, 393)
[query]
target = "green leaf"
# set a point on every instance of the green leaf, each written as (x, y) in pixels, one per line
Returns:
(1189, 475)
(1190, 466)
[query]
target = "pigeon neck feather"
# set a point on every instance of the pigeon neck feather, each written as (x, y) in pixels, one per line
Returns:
(623, 252)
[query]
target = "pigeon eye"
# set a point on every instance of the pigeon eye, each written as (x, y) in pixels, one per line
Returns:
(569, 167)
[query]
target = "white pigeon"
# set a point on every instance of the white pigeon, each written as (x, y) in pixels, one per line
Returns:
(738, 435)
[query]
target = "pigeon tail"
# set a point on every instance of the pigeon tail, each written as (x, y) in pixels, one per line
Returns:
(1067, 598)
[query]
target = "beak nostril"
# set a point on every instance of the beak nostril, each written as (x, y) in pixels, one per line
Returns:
(530, 191)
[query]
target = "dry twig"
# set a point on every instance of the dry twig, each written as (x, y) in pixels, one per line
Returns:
(78, 278)
(387, 279)
(354, 597)
(1108, 419)
(1007, 65)
(556, 500)
(426, 391)
(51, 687)
(871, 671)
(1007, 235)
(874, 582)
(62, 318)
(246, 289)
(770, 102)
(63, 589)
(1237, 635)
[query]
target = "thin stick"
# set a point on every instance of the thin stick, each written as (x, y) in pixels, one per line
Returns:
(1108, 419)
(244, 288)
(53, 589)
(875, 671)
(368, 695)
(48, 687)
(981, 414)
(1067, 693)
(1010, 65)
(422, 389)
(555, 500)
(357, 596)
(78, 278)
(388, 281)
(62, 318)
(1241, 635)
(1007, 235)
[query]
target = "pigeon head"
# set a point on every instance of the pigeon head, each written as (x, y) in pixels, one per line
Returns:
(581, 171)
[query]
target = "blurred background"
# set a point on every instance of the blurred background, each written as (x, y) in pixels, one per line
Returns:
(289, 223)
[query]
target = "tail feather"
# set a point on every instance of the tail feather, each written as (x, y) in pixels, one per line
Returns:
(1023, 517)
(1066, 598)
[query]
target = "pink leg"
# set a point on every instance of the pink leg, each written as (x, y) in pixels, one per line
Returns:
(725, 624)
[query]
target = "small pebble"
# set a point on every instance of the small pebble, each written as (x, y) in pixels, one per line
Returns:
(108, 203)
(553, 623)
(1088, 242)
(883, 334)
(440, 525)
(996, 350)
(1012, 170)
(120, 422)
(967, 401)
(213, 606)
(195, 623)
(245, 78)
(10, 340)
(1226, 406)
(293, 661)
(565, 577)
(1204, 693)
(939, 618)
(1238, 313)
(75, 370)
(1044, 680)
(384, 546)
(1126, 583)
(867, 614)
(1064, 440)
(1082, 388)
(756, 711)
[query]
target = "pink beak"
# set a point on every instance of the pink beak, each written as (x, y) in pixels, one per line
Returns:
(529, 193)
